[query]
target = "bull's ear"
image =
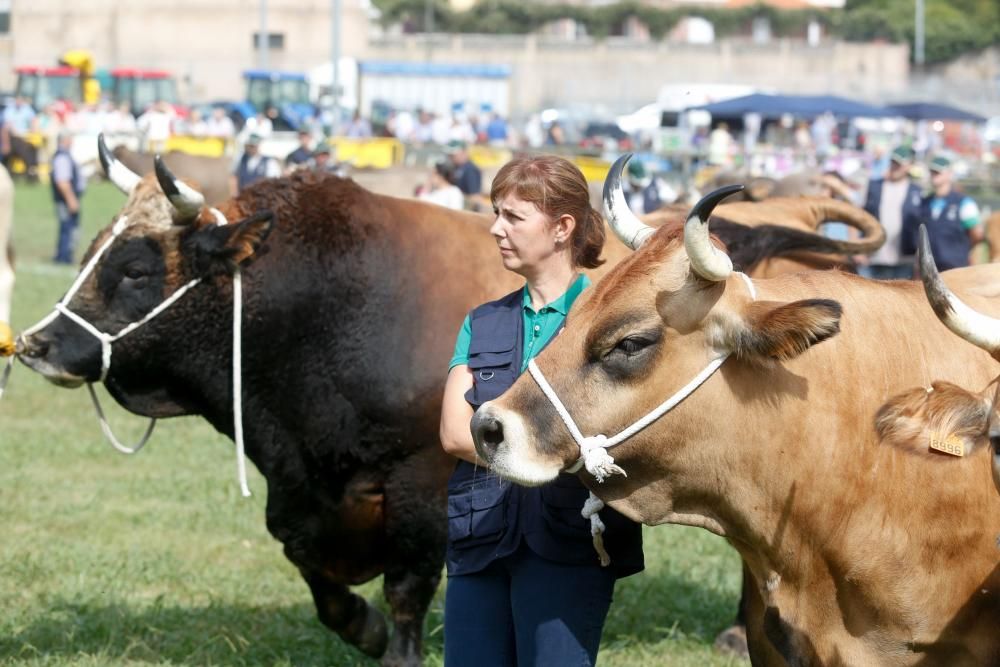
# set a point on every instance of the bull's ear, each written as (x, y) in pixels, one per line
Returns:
(773, 331)
(221, 248)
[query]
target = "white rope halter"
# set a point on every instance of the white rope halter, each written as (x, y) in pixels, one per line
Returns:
(594, 449)
(106, 340)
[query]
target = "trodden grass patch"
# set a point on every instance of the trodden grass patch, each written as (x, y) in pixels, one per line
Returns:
(156, 559)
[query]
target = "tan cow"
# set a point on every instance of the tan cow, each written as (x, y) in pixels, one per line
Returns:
(6, 244)
(945, 418)
(781, 221)
(861, 554)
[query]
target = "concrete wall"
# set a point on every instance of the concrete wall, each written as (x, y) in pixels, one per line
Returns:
(623, 75)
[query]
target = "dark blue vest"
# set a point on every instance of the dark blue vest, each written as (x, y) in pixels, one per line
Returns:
(949, 239)
(74, 179)
(911, 213)
(245, 176)
(489, 517)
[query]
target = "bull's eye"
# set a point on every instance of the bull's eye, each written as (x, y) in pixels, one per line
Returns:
(135, 273)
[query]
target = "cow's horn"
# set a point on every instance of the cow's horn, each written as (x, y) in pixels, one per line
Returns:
(632, 231)
(124, 178)
(185, 199)
(980, 330)
(706, 260)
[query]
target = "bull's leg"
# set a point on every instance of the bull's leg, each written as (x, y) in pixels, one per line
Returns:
(347, 614)
(416, 529)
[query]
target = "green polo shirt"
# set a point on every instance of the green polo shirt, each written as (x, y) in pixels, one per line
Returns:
(539, 326)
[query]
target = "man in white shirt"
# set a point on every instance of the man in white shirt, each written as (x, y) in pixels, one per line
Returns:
(895, 201)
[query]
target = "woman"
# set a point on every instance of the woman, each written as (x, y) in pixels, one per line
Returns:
(525, 585)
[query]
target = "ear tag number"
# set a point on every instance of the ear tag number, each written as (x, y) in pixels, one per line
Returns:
(950, 444)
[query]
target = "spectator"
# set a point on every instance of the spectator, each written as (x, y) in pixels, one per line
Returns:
(195, 125)
(951, 217)
(19, 121)
(895, 201)
(120, 121)
(555, 136)
(439, 189)
(496, 131)
(720, 144)
(643, 194)
(156, 126)
(423, 132)
(259, 125)
(302, 154)
(220, 125)
(322, 159)
(252, 166)
(465, 174)
(67, 187)
(358, 128)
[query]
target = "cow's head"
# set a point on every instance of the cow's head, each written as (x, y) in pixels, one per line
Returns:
(968, 417)
(162, 239)
(641, 334)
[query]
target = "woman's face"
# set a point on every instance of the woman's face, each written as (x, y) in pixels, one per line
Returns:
(527, 238)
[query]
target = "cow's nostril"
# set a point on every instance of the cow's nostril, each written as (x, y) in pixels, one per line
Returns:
(487, 432)
(33, 346)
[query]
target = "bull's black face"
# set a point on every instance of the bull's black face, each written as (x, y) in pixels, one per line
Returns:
(127, 283)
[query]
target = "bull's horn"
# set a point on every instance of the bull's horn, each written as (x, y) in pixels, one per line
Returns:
(706, 260)
(185, 199)
(980, 330)
(124, 178)
(834, 210)
(632, 231)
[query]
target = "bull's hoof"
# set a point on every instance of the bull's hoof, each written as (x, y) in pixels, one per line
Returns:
(733, 641)
(368, 632)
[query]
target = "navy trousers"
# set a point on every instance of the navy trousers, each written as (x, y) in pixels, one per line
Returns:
(526, 611)
(68, 224)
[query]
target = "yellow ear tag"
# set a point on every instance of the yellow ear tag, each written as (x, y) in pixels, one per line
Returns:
(950, 444)
(6, 340)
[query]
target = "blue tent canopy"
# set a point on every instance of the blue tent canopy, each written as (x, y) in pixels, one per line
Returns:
(772, 107)
(933, 111)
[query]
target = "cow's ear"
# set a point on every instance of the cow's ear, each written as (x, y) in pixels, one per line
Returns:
(221, 248)
(772, 331)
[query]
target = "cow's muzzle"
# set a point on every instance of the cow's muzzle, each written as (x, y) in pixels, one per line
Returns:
(33, 351)
(487, 434)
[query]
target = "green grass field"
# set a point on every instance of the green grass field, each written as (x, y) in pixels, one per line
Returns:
(155, 559)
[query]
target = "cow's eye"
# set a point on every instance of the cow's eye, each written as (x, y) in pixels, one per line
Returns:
(135, 273)
(632, 345)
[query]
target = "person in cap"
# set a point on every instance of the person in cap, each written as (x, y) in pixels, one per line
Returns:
(322, 158)
(895, 200)
(952, 218)
(643, 191)
(252, 166)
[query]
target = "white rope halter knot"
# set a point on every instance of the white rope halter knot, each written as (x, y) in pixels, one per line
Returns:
(595, 458)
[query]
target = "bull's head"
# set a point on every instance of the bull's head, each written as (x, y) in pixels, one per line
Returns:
(643, 332)
(163, 238)
(982, 331)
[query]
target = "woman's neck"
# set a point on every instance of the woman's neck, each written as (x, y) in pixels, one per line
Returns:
(549, 283)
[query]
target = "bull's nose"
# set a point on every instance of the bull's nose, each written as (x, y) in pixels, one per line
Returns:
(487, 433)
(32, 346)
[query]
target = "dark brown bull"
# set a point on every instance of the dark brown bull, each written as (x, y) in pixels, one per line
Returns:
(209, 174)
